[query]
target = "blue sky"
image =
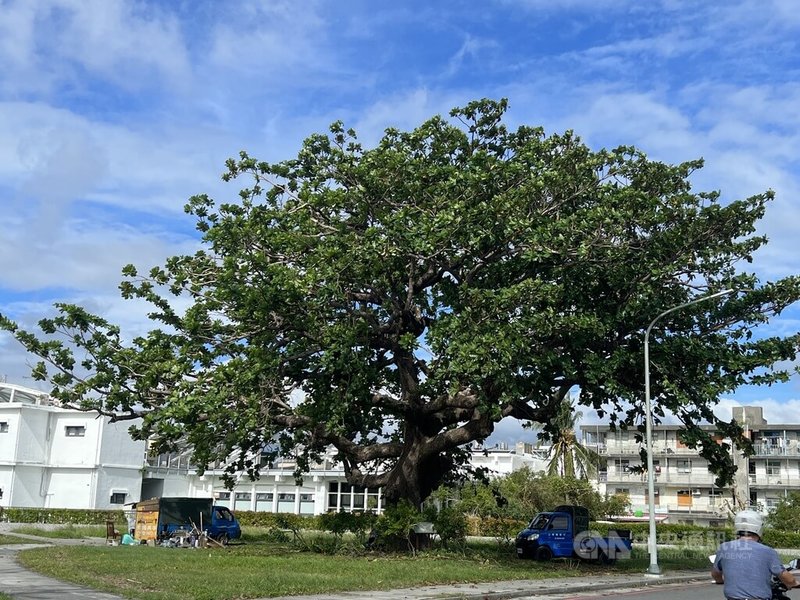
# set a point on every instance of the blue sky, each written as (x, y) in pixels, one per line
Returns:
(114, 112)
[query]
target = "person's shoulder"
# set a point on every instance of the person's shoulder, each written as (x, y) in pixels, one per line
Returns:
(765, 548)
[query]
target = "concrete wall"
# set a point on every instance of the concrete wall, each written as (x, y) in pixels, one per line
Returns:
(25, 487)
(9, 434)
(60, 458)
(75, 450)
(32, 440)
(70, 488)
(117, 446)
(117, 480)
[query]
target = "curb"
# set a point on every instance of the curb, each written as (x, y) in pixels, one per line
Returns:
(586, 587)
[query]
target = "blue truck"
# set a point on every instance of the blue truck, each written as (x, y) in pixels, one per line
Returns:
(160, 518)
(564, 533)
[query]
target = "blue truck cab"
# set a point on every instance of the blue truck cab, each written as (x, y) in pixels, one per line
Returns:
(564, 533)
(161, 518)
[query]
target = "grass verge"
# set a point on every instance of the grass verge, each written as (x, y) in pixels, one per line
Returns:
(64, 532)
(263, 570)
(12, 539)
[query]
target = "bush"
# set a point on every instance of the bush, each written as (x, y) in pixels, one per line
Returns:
(500, 527)
(451, 525)
(394, 525)
(339, 523)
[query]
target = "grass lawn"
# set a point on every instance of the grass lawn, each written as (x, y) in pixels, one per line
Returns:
(260, 570)
(12, 539)
(64, 532)
(5, 596)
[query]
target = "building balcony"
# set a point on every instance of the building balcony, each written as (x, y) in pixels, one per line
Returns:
(633, 448)
(791, 449)
(774, 481)
(672, 478)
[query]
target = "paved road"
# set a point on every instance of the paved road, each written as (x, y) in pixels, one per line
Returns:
(697, 591)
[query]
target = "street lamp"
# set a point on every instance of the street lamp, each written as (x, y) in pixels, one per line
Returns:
(651, 505)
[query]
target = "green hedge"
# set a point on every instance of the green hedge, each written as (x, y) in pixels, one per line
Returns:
(62, 516)
(249, 518)
(781, 539)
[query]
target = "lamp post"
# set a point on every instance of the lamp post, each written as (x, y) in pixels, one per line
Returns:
(654, 569)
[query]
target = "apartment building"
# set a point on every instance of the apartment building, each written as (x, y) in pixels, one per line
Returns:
(684, 486)
(52, 457)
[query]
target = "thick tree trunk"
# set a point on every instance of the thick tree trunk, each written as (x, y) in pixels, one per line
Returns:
(414, 478)
(418, 471)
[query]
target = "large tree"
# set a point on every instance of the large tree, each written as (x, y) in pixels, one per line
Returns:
(397, 302)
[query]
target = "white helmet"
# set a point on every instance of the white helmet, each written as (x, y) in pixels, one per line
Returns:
(748, 521)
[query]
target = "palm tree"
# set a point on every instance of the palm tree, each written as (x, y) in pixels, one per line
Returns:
(568, 457)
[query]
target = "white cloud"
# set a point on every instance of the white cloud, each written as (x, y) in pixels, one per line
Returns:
(270, 38)
(55, 41)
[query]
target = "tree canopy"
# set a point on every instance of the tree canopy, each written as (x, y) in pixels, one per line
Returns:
(397, 302)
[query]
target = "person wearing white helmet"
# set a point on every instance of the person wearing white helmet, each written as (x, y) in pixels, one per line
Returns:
(745, 566)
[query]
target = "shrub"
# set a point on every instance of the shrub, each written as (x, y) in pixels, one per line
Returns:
(394, 525)
(339, 523)
(451, 525)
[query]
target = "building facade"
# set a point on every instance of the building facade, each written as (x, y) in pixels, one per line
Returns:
(323, 489)
(52, 457)
(684, 486)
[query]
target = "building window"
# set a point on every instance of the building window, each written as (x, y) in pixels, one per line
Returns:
(684, 465)
(622, 491)
(622, 465)
(264, 497)
(773, 467)
(244, 496)
(3, 426)
(118, 498)
(75, 430)
(285, 497)
(772, 503)
(222, 495)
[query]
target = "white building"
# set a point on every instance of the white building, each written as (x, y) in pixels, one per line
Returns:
(322, 490)
(499, 460)
(51, 457)
(684, 486)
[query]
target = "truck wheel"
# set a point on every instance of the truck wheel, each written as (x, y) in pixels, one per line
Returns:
(222, 538)
(544, 554)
